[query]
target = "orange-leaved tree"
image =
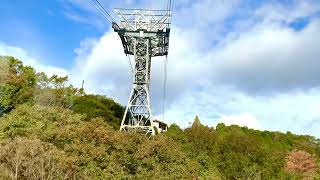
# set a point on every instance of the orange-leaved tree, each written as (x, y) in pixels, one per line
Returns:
(302, 163)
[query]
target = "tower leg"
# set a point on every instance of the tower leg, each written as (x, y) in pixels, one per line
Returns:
(138, 115)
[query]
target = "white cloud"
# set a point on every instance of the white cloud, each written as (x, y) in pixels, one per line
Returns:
(296, 111)
(244, 119)
(263, 71)
(103, 66)
(203, 13)
(269, 58)
(21, 54)
(287, 12)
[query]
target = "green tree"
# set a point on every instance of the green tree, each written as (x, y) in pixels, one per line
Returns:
(202, 140)
(54, 91)
(96, 150)
(23, 158)
(17, 83)
(20, 84)
(52, 130)
(99, 106)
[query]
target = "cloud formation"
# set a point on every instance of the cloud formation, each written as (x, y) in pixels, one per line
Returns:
(21, 54)
(244, 119)
(270, 58)
(255, 71)
(252, 64)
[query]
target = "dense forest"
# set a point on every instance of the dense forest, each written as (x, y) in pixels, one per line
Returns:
(52, 130)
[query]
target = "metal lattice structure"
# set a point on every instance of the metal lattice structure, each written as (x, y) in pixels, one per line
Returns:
(144, 34)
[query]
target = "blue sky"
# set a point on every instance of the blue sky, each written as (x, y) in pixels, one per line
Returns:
(42, 29)
(247, 62)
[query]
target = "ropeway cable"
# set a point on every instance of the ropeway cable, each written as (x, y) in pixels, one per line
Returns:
(99, 10)
(165, 71)
(171, 10)
(98, 6)
(97, 1)
(132, 70)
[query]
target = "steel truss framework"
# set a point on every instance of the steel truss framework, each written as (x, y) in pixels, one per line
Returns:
(144, 34)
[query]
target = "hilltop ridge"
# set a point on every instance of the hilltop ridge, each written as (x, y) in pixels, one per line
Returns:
(50, 129)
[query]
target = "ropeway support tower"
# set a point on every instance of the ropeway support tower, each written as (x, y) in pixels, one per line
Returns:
(144, 34)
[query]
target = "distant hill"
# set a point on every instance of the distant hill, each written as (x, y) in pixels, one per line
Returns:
(52, 130)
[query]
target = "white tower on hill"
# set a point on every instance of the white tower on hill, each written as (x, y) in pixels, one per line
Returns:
(144, 34)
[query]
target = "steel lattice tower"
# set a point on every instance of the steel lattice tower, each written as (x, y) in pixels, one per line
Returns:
(144, 34)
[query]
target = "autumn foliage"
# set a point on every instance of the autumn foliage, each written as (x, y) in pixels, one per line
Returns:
(301, 162)
(51, 130)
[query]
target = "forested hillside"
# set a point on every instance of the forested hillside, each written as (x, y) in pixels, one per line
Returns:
(52, 130)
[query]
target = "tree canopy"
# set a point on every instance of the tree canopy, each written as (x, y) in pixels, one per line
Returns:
(52, 130)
